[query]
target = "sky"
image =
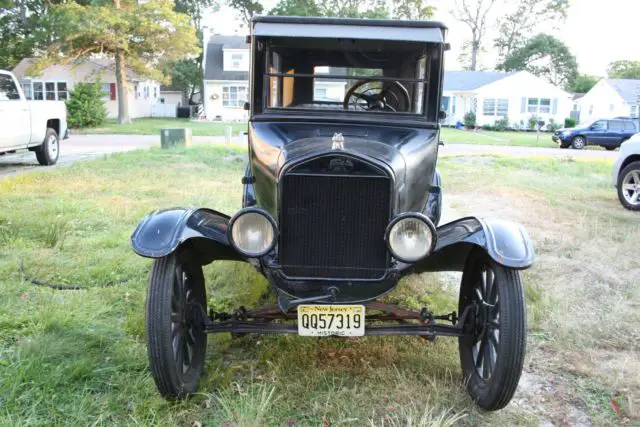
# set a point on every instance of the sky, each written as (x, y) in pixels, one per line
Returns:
(596, 31)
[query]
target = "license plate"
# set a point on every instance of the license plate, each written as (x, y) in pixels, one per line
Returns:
(324, 320)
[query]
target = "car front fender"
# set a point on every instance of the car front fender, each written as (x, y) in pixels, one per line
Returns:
(205, 230)
(507, 243)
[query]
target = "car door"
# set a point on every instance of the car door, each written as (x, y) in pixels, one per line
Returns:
(597, 132)
(15, 126)
(615, 132)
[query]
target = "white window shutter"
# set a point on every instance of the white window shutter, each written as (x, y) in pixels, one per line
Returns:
(554, 109)
(523, 108)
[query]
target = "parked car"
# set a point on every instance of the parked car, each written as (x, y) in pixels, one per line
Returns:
(30, 125)
(626, 173)
(608, 133)
(341, 199)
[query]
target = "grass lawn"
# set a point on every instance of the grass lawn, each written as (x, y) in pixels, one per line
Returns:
(152, 126)
(78, 357)
(482, 137)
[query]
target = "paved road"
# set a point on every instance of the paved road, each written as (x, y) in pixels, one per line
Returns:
(80, 147)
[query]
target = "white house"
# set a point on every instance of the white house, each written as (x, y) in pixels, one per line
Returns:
(55, 82)
(611, 98)
(226, 79)
(492, 96)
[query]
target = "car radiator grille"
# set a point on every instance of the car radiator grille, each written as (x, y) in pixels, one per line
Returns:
(333, 226)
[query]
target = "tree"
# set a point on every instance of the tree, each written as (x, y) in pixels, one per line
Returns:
(247, 8)
(411, 9)
(140, 37)
(582, 83)
(85, 106)
(186, 76)
(546, 57)
(525, 16)
(474, 13)
(624, 70)
(339, 8)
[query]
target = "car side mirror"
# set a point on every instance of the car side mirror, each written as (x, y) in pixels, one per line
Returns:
(442, 115)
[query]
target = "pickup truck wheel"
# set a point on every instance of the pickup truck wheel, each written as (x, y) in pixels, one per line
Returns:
(492, 349)
(47, 154)
(578, 142)
(629, 186)
(176, 340)
(610, 148)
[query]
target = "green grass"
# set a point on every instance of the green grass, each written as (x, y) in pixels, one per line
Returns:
(482, 137)
(152, 126)
(79, 357)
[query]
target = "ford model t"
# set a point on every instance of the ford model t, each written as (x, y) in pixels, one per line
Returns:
(341, 199)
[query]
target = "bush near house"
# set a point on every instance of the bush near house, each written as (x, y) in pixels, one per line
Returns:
(533, 122)
(552, 126)
(85, 107)
(470, 120)
(501, 124)
(569, 122)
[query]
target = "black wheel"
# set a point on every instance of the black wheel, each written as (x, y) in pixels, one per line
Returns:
(176, 341)
(629, 186)
(47, 154)
(579, 142)
(610, 148)
(492, 350)
(564, 145)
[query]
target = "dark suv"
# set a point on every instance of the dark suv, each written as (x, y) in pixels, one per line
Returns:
(606, 133)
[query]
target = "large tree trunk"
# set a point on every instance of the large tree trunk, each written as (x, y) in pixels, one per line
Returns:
(475, 47)
(121, 85)
(121, 82)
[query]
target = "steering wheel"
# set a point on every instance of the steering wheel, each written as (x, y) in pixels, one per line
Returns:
(377, 97)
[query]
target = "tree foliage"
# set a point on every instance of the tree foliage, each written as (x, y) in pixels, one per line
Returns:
(246, 8)
(411, 9)
(186, 76)
(85, 107)
(339, 8)
(582, 83)
(546, 57)
(522, 20)
(140, 36)
(624, 69)
(475, 14)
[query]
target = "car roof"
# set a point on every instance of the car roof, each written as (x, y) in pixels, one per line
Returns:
(367, 29)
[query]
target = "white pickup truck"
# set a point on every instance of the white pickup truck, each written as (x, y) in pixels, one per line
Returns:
(36, 126)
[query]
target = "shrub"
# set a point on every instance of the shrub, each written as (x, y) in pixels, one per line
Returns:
(533, 122)
(85, 107)
(552, 126)
(487, 127)
(569, 122)
(501, 124)
(470, 120)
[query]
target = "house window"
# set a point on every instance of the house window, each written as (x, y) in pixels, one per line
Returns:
(591, 109)
(62, 91)
(539, 105)
(495, 107)
(234, 96)
(319, 93)
(155, 92)
(106, 90)
(236, 60)
(38, 91)
(26, 88)
(634, 111)
(444, 103)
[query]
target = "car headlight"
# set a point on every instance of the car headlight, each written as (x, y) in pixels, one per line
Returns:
(252, 232)
(566, 133)
(411, 237)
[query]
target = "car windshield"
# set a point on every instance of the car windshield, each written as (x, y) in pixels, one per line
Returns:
(346, 75)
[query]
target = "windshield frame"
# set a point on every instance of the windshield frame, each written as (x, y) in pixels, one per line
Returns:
(260, 111)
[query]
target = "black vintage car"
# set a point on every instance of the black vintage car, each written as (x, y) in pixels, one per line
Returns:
(341, 199)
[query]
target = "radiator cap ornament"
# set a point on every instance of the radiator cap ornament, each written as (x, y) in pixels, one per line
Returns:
(337, 142)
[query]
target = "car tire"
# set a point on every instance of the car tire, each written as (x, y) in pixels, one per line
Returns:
(610, 148)
(629, 186)
(47, 154)
(565, 145)
(176, 339)
(493, 347)
(578, 142)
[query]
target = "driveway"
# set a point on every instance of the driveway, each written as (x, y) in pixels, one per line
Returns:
(81, 147)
